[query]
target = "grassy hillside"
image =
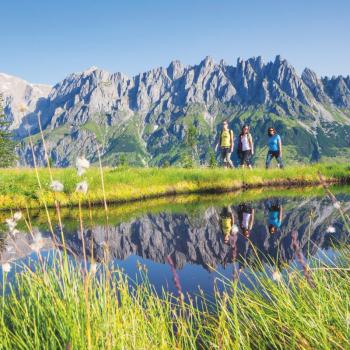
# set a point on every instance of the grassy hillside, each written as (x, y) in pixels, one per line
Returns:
(19, 188)
(160, 139)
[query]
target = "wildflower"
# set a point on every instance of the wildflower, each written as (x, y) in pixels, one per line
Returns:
(330, 229)
(9, 249)
(56, 186)
(14, 232)
(82, 187)
(276, 276)
(82, 164)
(235, 229)
(93, 268)
(336, 205)
(17, 216)
(37, 246)
(348, 319)
(38, 243)
(6, 267)
(11, 224)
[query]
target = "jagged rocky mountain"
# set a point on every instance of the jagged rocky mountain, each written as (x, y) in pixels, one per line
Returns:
(146, 117)
(21, 98)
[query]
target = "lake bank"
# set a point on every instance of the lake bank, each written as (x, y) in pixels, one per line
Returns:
(19, 188)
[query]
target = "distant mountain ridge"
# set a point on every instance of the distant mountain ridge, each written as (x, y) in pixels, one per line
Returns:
(145, 117)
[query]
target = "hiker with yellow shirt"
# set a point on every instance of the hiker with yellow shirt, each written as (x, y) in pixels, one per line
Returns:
(226, 142)
(227, 223)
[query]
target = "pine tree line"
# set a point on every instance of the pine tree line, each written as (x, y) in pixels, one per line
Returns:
(7, 145)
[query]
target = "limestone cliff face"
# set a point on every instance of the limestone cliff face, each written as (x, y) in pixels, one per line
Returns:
(148, 114)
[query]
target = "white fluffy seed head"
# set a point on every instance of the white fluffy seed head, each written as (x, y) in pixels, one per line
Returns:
(6, 267)
(336, 205)
(330, 229)
(93, 268)
(11, 224)
(276, 276)
(82, 187)
(82, 164)
(56, 186)
(17, 216)
(234, 229)
(36, 246)
(14, 232)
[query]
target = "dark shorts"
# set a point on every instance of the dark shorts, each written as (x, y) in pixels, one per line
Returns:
(274, 154)
(225, 152)
(245, 157)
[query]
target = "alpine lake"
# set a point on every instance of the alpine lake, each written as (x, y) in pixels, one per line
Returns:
(203, 242)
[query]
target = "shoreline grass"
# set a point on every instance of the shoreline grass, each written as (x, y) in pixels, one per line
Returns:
(193, 203)
(66, 306)
(19, 187)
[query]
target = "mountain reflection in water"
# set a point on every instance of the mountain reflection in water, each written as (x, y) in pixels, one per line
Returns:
(199, 242)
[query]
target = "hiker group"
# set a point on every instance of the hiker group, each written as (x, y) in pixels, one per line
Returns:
(245, 146)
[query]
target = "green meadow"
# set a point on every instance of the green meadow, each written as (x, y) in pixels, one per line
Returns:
(30, 188)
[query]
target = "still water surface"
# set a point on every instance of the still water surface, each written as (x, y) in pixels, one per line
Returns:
(205, 238)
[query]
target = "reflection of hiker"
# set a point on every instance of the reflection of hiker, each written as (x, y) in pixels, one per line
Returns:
(275, 148)
(245, 147)
(246, 218)
(226, 144)
(227, 223)
(275, 213)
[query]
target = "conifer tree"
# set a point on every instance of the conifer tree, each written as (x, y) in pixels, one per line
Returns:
(7, 146)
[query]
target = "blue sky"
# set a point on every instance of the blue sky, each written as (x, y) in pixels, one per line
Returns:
(43, 41)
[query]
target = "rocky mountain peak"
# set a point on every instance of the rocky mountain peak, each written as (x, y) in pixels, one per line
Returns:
(160, 98)
(175, 69)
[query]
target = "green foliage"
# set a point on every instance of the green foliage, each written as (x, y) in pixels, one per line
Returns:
(191, 137)
(123, 162)
(7, 146)
(187, 161)
(191, 142)
(166, 164)
(212, 159)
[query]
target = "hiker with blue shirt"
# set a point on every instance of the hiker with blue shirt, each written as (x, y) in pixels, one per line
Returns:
(275, 214)
(275, 148)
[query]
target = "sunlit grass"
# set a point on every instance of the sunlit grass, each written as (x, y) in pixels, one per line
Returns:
(193, 204)
(19, 187)
(65, 306)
